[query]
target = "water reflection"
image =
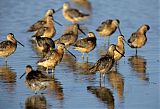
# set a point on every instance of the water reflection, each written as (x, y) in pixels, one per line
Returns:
(55, 89)
(104, 94)
(138, 64)
(8, 76)
(83, 67)
(36, 102)
(117, 82)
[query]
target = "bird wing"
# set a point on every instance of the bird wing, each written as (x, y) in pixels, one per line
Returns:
(4, 45)
(64, 38)
(36, 26)
(105, 62)
(103, 25)
(74, 13)
(48, 56)
(83, 43)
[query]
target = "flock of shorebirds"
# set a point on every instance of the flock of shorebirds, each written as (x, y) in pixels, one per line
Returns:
(52, 50)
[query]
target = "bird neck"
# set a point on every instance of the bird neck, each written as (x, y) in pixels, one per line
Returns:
(120, 43)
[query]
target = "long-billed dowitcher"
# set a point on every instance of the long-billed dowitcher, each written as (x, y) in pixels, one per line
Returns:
(47, 30)
(44, 44)
(86, 45)
(69, 38)
(8, 46)
(105, 63)
(73, 15)
(35, 80)
(138, 38)
(53, 58)
(36, 26)
(108, 27)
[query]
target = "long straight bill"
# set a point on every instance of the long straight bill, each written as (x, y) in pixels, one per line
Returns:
(57, 23)
(70, 53)
(120, 53)
(22, 75)
(59, 9)
(119, 30)
(20, 43)
(126, 42)
(82, 31)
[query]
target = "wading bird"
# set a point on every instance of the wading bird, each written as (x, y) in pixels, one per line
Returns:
(138, 38)
(8, 46)
(105, 63)
(108, 27)
(36, 80)
(73, 15)
(86, 45)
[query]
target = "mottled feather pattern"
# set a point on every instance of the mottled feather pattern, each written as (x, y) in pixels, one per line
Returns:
(39, 24)
(4, 45)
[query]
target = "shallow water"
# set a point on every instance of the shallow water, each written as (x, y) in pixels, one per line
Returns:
(135, 84)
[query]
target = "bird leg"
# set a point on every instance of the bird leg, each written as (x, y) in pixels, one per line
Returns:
(108, 40)
(100, 80)
(136, 51)
(87, 57)
(83, 56)
(52, 72)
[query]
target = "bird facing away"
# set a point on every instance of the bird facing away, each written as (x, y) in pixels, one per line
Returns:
(47, 30)
(138, 38)
(39, 24)
(52, 58)
(70, 37)
(44, 44)
(73, 15)
(108, 27)
(87, 44)
(8, 46)
(120, 48)
(35, 80)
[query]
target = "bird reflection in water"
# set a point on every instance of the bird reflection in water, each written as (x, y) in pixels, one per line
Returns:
(117, 82)
(104, 94)
(55, 88)
(138, 64)
(8, 76)
(36, 102)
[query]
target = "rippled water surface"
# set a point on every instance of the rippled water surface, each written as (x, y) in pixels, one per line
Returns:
(135, 84)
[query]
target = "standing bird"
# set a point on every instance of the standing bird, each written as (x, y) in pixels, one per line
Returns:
(36, 26)
(52, 58)
(105, 63)
(46, 30)
(8, 46)
(70, 37)
(86, 45)
(108, 27)
(36, 80)
(138, 38)
(73, 15)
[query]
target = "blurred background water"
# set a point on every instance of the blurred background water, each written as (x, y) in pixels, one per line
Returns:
(135, 84)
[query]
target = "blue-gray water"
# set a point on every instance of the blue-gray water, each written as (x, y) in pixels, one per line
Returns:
(135, 85)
